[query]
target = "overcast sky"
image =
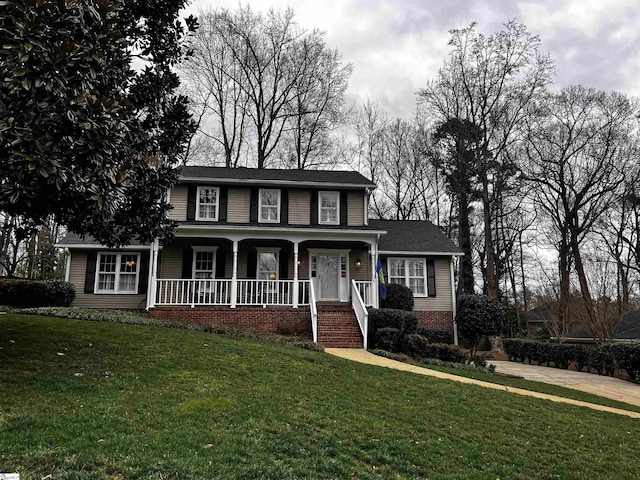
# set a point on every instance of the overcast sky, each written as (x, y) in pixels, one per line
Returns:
(395, 46)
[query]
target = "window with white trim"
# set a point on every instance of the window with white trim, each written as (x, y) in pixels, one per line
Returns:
(204, 262)
(329, 208)
(412, 273)
(208, 202)
(268, 262)
(269, 206)
(117, 273)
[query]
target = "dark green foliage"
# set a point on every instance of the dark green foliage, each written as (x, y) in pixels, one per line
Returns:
(415, 345)
(627, 357)
(479, 315)
(484, 345)
(435, 336)
(405, 322)
(603, 359)
(399, 297)
(388, 339)
(36, 293)
(445, 352)
(84, 137)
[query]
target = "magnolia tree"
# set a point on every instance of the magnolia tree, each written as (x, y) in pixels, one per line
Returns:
(479, 315)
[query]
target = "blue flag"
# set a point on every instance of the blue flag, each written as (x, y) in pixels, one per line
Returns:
(383, 285)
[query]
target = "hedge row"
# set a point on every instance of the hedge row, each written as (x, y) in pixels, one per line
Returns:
(36, 293)
(602, 359)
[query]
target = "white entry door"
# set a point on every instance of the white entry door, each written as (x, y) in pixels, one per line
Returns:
(329, 271)
(328, 279)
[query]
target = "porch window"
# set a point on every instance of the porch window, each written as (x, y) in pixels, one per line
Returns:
(204, 262)
(267, 264)
(117, 273)
(329, 208)
(207, 203)
(269, 206)
(415, 273)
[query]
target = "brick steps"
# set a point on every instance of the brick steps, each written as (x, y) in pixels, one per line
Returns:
(338, 327)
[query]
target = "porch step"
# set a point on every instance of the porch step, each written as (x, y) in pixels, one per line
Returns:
(338, 327)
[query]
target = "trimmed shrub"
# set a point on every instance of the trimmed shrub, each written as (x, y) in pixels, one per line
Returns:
(484, 345)
(388, 339)
(445, 352)
(415, 345)
(627, 357)
(36, 293)
(602, 361)
(479, 315)
(404, 322)
(435, 336)
(399, 297)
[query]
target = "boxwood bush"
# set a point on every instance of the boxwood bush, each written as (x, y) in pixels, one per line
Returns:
(435, 336)
(399, 297)
(36, 293)
(404, 322)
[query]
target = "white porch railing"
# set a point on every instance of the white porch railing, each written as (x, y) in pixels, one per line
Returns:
(361, 312)
(218, 292)
(365, 289)
(314, 310)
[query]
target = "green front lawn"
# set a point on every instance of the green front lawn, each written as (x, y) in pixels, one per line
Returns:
(99, 400)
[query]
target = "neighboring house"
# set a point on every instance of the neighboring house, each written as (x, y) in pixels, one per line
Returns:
(627, 329)
(275, 250)
(537, 320)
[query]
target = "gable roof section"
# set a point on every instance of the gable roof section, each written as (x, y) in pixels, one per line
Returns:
(262, 176)
(628, 328)
(413, 237)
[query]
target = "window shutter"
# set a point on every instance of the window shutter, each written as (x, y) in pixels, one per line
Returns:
(343, 209)
(431, 278)
(222, 208)
(192, 191)
(90, 278)
(252, 260)
(253, 206)
(283, 274)
(221, 258)
(187, 262)
(314, 208)
(143, 278)
(284, 206)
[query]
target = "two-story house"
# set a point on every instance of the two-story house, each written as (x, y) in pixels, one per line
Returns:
(280, 250)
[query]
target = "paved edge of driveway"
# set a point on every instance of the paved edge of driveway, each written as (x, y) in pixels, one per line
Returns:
(362, 356)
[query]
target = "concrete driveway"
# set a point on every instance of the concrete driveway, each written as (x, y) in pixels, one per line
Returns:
(604, 386)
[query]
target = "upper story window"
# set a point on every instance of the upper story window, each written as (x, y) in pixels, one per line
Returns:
(416, 273)
(207, 203)
(269, 206)
(117, 273)
(329, 208)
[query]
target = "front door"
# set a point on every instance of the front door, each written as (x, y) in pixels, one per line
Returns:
(327, 282)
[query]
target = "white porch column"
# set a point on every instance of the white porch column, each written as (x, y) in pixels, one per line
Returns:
(296, 285)
(153, 277)
(234, 275)
(375, 287)
(453, 302)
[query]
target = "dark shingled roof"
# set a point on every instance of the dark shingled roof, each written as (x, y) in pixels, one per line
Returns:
(628, 328)
(327, 177)
(540, 314)
(413, 236)
(74, 239)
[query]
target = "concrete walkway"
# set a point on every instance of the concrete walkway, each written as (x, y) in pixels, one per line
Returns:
(609, 387)
(363, 356)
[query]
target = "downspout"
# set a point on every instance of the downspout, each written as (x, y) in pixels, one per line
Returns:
(453, 301)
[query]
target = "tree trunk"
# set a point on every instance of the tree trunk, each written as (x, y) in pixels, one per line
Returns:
(466, 283)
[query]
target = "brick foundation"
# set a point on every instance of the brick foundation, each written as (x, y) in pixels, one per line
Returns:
(282, 320)
(436, 320)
